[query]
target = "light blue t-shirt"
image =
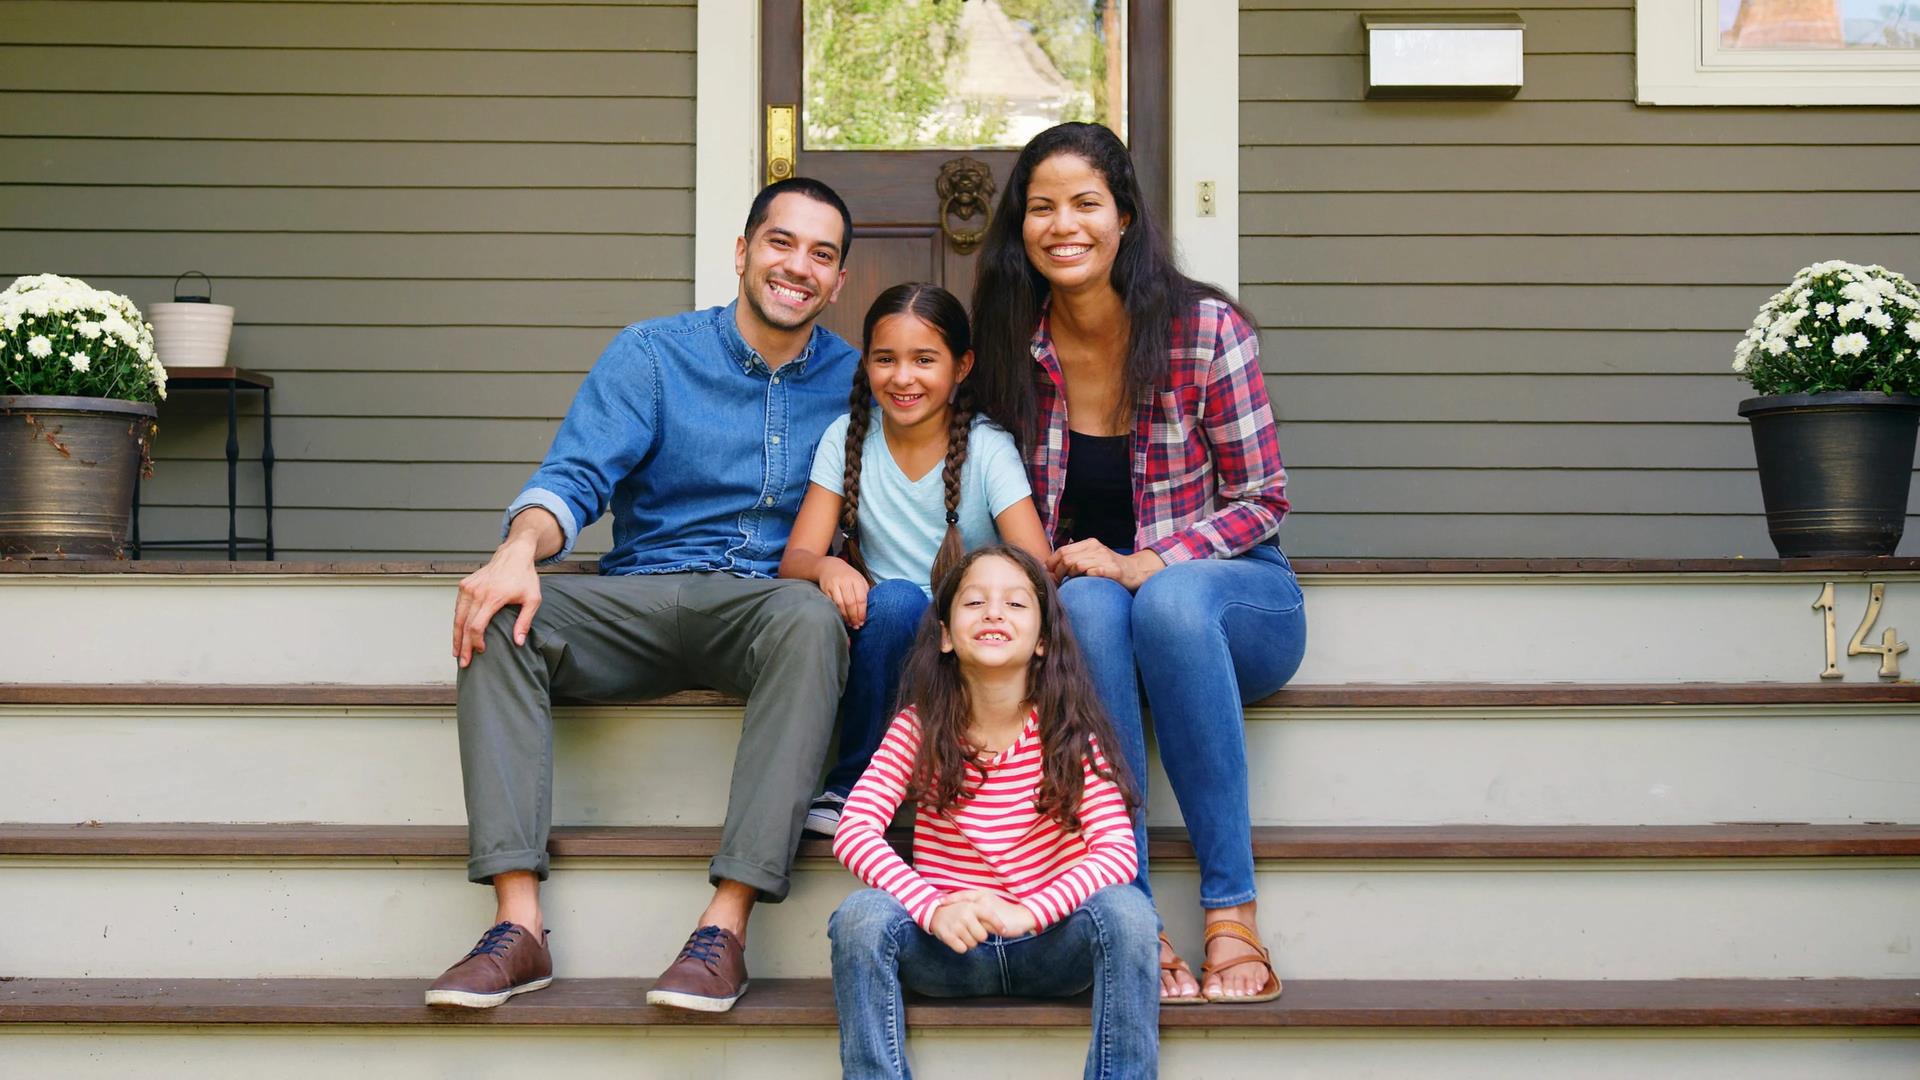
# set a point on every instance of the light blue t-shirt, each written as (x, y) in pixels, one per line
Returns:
(901, 520)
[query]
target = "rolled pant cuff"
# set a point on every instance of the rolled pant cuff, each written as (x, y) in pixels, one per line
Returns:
(1233, 900)
(480, 871)
(773, 884)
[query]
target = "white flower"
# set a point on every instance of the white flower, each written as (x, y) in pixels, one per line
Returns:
(88, 330)
(1803, 342)
(1761, 320)
(79, 361)
(1913, 329)
(1850, 345)
(1851, 312)
(1858, 290)
(39, 346)
(1879, 320)
(1741, 353)
(1775, 346)
(1823, 309)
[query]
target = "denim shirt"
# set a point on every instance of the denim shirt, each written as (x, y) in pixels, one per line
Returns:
(699, 449)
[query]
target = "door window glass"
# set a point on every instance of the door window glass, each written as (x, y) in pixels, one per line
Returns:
(960, 74)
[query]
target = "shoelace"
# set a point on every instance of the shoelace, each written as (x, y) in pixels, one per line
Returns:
(705, 945)
(494, 941)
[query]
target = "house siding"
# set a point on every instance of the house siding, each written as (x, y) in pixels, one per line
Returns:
(1504, 328)
(430, 217)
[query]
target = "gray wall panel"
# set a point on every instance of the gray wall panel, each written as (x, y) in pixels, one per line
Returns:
(431, 218)
(1504, 328)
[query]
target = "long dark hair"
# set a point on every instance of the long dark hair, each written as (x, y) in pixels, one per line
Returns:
(1008, 291)
(939, 309)
(1058, 686)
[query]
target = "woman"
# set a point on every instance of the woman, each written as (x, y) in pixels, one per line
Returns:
(1137, 396)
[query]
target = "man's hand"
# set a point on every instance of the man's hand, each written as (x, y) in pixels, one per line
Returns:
(1092, 558)
(846, 587)
(957, 923)
(508, 578)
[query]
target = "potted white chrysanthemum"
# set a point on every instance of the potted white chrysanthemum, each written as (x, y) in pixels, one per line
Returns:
(1836, 358)
(78, 383)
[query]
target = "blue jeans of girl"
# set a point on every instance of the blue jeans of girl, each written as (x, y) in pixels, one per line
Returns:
(1202, 638)
(875, 654)
(1110, 943)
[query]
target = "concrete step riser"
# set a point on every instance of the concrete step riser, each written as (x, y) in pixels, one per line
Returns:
(1776, 918)
(669, 766)
(214, 1054)
(1587, 628)
(79, 1053)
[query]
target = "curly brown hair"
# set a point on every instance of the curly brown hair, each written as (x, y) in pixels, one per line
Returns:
(1072, 723)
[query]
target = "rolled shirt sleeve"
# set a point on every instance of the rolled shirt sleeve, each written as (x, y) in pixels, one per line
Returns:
(607, 432)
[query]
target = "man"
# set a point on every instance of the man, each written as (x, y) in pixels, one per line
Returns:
(697, 432)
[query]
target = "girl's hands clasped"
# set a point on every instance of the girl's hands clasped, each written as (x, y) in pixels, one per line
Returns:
(965, 918)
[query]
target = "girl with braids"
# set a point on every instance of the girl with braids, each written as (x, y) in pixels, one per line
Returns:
(1138, 395)
(906, 498)
(1022, 839)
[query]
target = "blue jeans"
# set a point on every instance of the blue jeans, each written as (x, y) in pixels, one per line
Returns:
(1111, 943)
(1203, 638)
(875, 654)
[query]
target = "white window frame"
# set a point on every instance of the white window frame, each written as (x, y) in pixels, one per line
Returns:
(1679, 62)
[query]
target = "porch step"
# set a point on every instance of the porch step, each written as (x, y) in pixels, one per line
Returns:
(1353, 754)
(1307, 1003)
(1322, 1029)
(188, 840)
(327, 901)
(1372, 621)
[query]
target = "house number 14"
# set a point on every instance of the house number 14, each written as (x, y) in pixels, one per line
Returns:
(1888, 650)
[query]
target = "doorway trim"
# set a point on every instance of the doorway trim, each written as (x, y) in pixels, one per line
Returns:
(1204, 141)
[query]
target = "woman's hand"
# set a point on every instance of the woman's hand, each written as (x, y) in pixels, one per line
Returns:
(846, 587)
(1091, 558)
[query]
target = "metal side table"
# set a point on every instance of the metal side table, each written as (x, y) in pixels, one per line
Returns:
(232, 380)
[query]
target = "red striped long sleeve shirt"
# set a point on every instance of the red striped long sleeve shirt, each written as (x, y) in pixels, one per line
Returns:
(996, 840)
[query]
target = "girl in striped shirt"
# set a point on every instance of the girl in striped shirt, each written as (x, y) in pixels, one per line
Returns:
(1023, 839)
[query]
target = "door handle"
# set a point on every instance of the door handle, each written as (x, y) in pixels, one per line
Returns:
(780, 138)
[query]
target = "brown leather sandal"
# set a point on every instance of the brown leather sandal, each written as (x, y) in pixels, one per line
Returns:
(1241, 932)
(1177, 964)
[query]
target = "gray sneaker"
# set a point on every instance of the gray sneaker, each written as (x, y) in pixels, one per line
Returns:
(823, 814)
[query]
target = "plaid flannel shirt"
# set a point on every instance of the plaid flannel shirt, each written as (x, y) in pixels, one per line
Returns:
(1207, 478)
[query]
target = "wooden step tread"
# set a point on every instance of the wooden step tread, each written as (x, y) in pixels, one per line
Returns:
(1302, 696)
(1591, 565)
(809, 1003)
(103, 840)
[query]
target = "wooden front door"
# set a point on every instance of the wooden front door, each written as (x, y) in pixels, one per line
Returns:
(869, 70)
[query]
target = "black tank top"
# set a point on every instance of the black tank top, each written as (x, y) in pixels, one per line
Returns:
(1097, 502)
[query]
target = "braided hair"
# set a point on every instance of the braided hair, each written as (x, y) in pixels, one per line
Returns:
(939, 309)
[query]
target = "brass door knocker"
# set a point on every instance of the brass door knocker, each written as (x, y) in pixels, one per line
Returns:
(965, 188)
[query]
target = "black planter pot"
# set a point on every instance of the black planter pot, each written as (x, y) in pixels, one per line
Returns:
(1834, 470)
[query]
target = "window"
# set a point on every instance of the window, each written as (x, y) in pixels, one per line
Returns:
(1778, 52)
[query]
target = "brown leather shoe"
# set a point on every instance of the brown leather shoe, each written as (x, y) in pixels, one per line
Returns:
(709, 976)
(507, 961)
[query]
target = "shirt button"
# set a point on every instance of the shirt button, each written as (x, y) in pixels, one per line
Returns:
(776, 380)
(769, 501)
(776, 440)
